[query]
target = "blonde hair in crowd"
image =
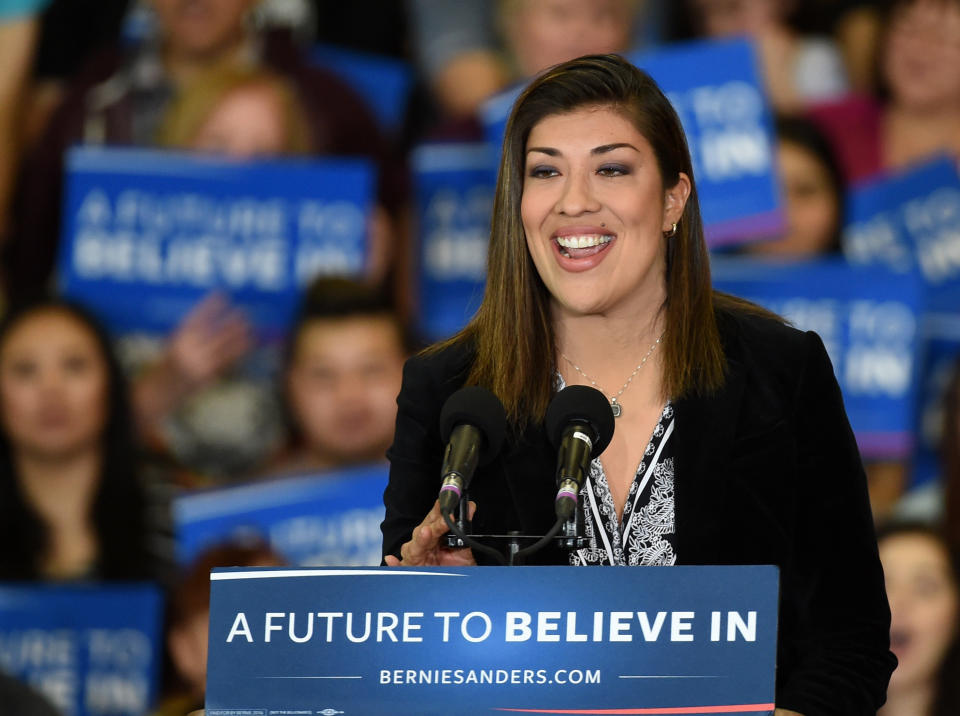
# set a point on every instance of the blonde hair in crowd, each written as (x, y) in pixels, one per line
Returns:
(196, 102)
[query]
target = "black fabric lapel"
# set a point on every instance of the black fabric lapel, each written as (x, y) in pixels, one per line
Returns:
(705, 428)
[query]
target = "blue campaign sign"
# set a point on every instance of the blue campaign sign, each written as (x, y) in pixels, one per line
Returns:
(869, 321)
(321, 519)
(454, 186)
(147, 233)
(383, 82)
(717, 90)
(92, 649)
(682, 640)
(908, 220)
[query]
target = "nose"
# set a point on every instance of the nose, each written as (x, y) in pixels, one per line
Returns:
(577, 196)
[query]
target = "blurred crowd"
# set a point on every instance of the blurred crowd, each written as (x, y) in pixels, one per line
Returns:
(94, 443)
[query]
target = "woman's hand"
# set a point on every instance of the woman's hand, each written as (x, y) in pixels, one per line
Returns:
(784, 712)
(424, 549)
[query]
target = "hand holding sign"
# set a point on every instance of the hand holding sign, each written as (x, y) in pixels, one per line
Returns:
(212, 337)
(424, 550)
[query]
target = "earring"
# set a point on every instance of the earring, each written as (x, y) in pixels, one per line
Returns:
(673, 232)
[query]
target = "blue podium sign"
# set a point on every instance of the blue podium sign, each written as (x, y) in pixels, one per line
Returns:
(454, 194)
(678, 640)
(869, 321)
(148, 233)
(717, 90)
(92, 650)
(311, 520)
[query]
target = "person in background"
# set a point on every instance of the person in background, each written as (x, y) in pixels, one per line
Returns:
(122, 96)
(920, 117)
(344, 364)
(923, 586)
(238, 112)
(798, 70)
(188, 620)
(813, 193)
(471, 50)
(71, 504)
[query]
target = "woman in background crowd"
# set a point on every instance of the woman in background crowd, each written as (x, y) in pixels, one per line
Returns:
(798, 70)
(344, 365)
(812, 190)
(920, 65)
(121, 98)
(71, 505)
(923, 586)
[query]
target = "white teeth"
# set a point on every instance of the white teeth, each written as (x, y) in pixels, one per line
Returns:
(583, 242)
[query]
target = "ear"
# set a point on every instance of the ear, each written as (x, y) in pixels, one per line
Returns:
(675, 200)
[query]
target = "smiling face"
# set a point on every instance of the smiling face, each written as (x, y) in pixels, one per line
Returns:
(594, 210)
(923, 605)
(922, 56)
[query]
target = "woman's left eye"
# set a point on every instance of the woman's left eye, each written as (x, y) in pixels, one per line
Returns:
(612, 170)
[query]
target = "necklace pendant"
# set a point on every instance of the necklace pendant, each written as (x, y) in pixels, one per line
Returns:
(615, 407)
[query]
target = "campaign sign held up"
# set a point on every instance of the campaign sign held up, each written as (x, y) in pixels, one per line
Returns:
(454, 192)
(908, 220)
(148, 233)
(717, 91)
(312, 520)
(869, 321)
(92, 650)
(684, 640)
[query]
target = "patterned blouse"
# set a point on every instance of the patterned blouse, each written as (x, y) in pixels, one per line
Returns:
(645, 534)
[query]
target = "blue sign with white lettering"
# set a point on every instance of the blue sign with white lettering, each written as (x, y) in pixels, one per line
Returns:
(868, 318)
(717, 90)
(147, 233)
(92, 649)
(908, 220)
(684, 640)
(454, 193)
(313, 520)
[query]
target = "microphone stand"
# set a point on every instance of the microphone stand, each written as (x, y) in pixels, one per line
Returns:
(567, 534)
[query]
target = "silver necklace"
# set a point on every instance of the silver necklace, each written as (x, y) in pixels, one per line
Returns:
(615, 405)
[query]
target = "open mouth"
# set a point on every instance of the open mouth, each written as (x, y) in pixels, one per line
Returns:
(578, 247)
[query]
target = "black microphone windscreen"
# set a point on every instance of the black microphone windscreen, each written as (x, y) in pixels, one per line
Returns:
(477, 406)
(580, 403)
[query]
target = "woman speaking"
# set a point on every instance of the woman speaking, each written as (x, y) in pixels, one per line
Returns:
(731, 443)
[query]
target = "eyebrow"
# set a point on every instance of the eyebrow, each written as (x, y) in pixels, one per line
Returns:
(602, 149)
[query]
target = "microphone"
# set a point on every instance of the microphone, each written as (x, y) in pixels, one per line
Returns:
(473, 424)
(580, 425)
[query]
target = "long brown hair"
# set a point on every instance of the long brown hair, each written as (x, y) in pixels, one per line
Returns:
(512, 330)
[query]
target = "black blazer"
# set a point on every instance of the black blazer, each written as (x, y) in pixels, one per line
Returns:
(767, 472)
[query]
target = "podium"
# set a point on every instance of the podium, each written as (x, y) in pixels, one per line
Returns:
(487, 640)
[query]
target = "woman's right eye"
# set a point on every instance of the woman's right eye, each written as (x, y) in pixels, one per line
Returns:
(542, 172)
(23, 369)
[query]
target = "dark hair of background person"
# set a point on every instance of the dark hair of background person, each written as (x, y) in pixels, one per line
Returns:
(950, 457)
(512, 329)
(947, 698)
(190, 595)
(120, 506)
(807, 135)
